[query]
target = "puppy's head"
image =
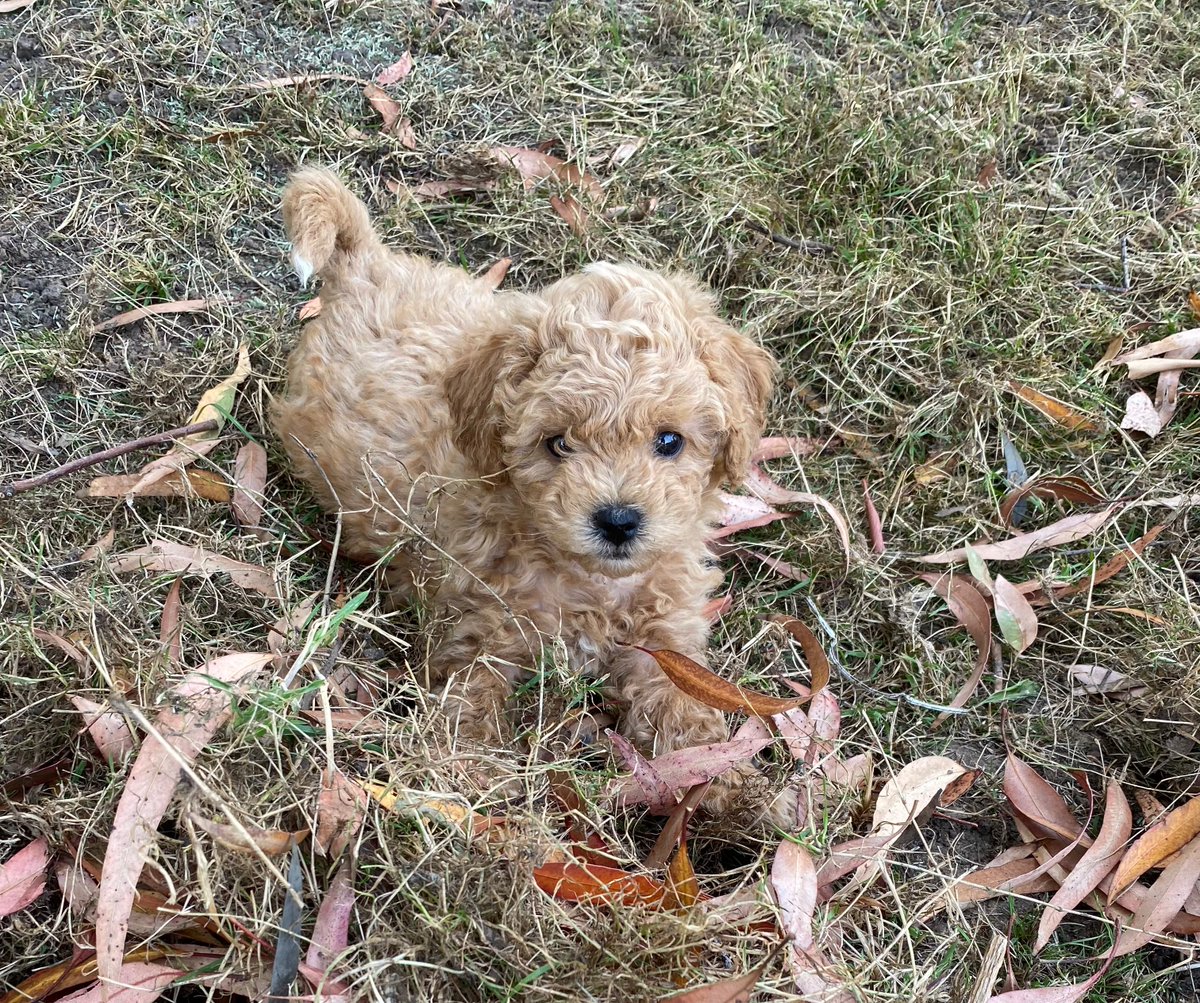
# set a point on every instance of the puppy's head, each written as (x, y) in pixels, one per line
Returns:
(615, 414)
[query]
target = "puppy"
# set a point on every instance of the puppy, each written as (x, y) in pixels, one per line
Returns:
(545, 466)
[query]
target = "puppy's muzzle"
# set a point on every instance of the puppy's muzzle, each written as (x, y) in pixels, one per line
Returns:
(617, 525)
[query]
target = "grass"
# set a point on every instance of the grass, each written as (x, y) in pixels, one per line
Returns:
(138, 164)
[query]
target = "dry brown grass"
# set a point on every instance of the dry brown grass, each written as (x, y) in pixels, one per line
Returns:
(137, 165)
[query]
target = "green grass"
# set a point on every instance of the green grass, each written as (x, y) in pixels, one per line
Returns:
(138, 166)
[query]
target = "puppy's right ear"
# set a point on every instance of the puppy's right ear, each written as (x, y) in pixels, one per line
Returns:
(480, 387)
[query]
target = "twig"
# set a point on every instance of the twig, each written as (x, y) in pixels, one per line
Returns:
(29, 483)
(806, 246)
(1108, 287)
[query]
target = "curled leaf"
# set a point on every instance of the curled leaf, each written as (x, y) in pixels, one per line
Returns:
(1164, 899)
(659, 797)
(1054, 409)
(686, 768)
(162, 555)
(598, 885)
(971, 610)
(1068, 530)
(1071, 489)
(710, 689)
(249, 838)
(1177, 829)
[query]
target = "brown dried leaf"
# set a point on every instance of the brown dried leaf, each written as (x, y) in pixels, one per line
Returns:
(331, 932)
(272, 842)
(155, 309)
(1177, 829)
(175, 484)
(704, 685)
(814, 654)
(682, 886)
(162, 555)
(189, 719)
(1097, 680)
(775, 447)
(874, 527)
(534, 166)
(1037, 802)
(1099, 859)
(1110, 352)
(1149, 367)
(659, 798)
(987, 174)
(1183, 341)
(135, 982)
(1141, 415)
(624, 153)
(1164, 899)
(107, 728)
(1054, 994)
(570, 209)
(341, 808)
(763, 487)
(389, 110)
(686, 768)
(1018, 622)
(913, 792)
(971, 610)
(1068, 530)
(997, 879)
(1054, 409)
(732, 990)
(1153, 810)
(23, 876)
(250, 480)
(397, 71)
(1072, 489)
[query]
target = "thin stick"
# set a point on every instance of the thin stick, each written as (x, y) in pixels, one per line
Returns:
(806, 246)
(16, 487)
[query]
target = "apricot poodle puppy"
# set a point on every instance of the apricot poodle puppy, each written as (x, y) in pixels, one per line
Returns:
(543, 467)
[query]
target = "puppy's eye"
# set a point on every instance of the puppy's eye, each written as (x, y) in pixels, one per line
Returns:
(557, 445)
(668, 444)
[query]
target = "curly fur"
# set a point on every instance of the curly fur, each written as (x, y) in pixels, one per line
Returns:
(419, 404)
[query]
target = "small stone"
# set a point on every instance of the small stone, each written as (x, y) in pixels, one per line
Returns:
(53, 291)
(116, 99)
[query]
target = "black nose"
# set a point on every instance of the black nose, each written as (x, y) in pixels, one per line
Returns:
(618, 524)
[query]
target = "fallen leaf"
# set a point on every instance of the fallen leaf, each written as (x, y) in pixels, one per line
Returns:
(309, 309)
(271, 842)
(1095, 864)
(797, 732)
(874, 527)
(987, 174)
(178, 558)
(331, 932)
(826, 718)
(534, 166)
(1152, 809)
(598, 885)
(1113, 566)
(686, 768)
(1149, 367)
(736, 989)
(775, 564)
(397, 71)
(774, 447)
(155, 309)
(814, 655)
(389, 110)
(913, 792)
(286, 963)
(405, 133)
(1097, 680)
(1165, 898)
(674, 830)
(1055, 994)
(704, 685)
(298, 80)
(940, 467)
(341, 808)
(1037, 802)
(135, 982)
(1068, 530)
(1141, 415)
(631, 213)
(1072, 489)
(971, 610)
(170, 630)
(659, 798)
(853, 773)
(682, 887)
(107, 728)
(1016, 474)
(175, 484)
(737, 509)
(1183, 341)
(1016, 618)
(215, 404)
(1110, 352)
(573, 213)
(850, 855)
(1175, 830)
(1053, 409)
(623, 153)
(196, 708)
(435, 190)
(100, 547)
(250, 481)
(23, 876)
(1166, 391)
(495, 275)
(1012, 876)
(766, 489)
(794, 881)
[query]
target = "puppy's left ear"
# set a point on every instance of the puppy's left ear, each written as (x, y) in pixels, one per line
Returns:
(744, 375)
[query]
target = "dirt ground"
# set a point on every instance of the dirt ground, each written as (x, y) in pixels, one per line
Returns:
(910, 205)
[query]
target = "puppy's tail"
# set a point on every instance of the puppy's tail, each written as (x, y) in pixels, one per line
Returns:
(327, 224)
